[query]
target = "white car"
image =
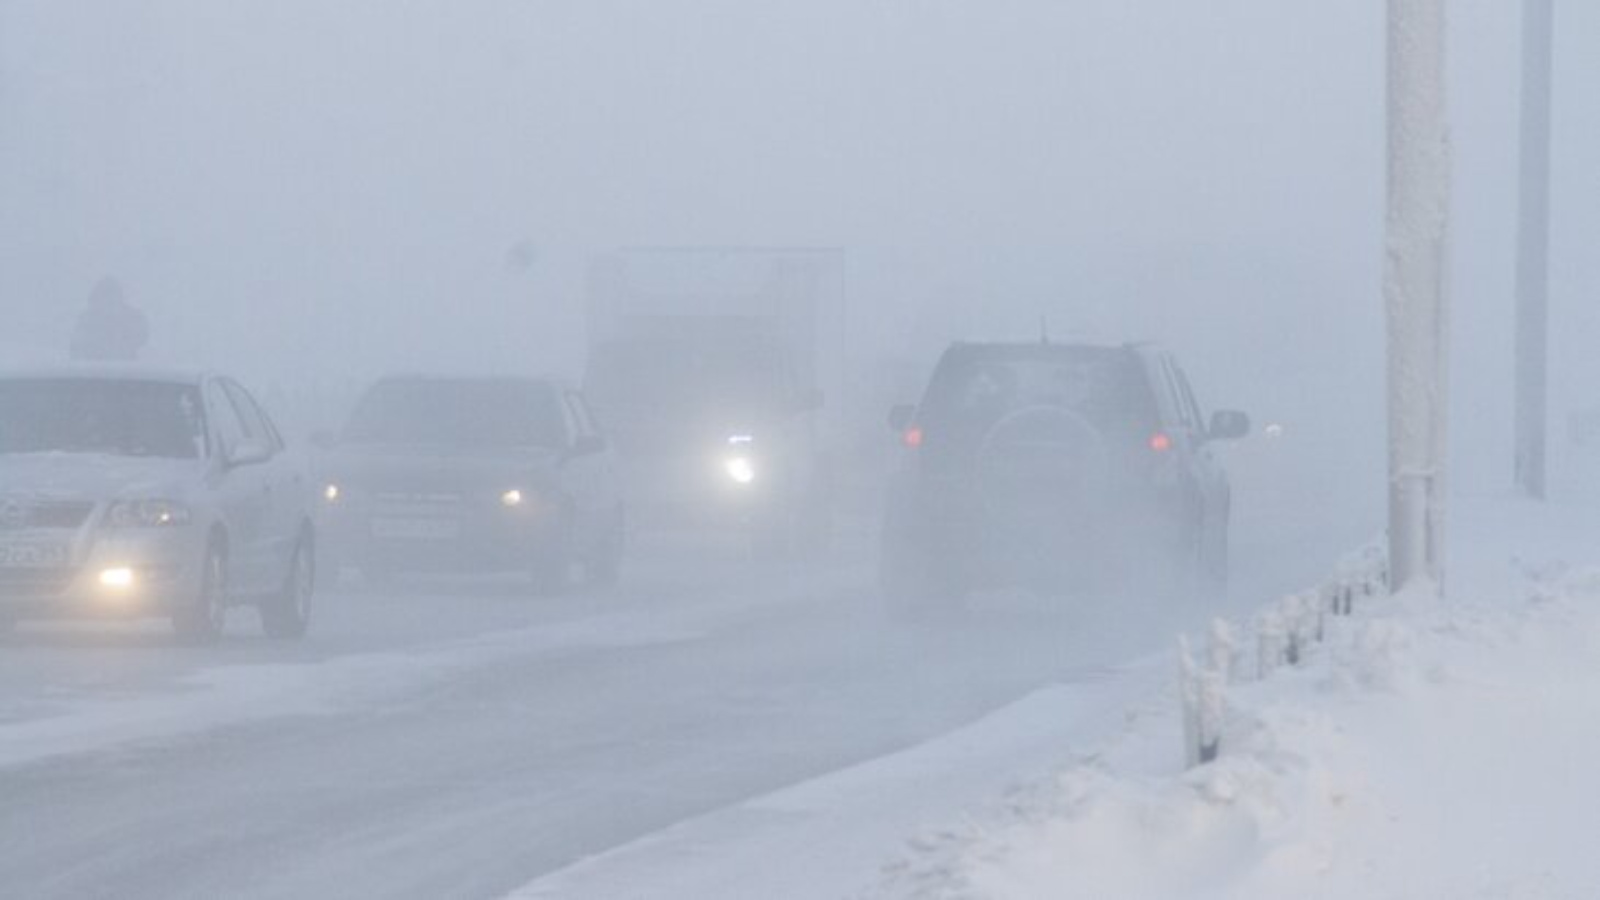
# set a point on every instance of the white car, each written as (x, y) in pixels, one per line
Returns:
(127, 491)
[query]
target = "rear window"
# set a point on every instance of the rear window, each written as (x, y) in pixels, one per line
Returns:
(975, 387)
(466, 413)
(101, 416)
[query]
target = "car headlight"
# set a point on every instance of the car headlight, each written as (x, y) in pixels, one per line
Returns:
(512, 499)
(147, 514)
(330, 493)
(741, 469)
(119, 578)
(739, 464)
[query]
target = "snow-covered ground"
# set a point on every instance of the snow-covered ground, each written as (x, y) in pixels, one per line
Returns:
(1427, 750)
(725, 729)
(690, 734)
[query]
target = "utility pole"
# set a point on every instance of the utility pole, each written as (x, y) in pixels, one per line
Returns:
(1415, 290)
(1533, 251)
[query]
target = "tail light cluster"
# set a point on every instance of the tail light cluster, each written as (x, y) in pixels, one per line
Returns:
(1160, 442)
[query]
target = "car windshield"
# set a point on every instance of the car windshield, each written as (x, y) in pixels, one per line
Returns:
(118, 418)
(672, 374)
(976, 387)
(452, 413)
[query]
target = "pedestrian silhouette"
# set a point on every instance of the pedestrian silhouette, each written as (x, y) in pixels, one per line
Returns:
(110, 328)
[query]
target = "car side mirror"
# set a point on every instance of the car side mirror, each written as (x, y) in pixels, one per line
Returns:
(1228, 425)
(324, 439)
(588, 445)
(249, 453)
(901, 416)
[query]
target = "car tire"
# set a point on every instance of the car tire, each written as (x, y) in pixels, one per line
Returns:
(329, 570)
(286, 615)
(1217, 560)
(203, 617)
(604, 567)
(552, 564)
(1191, 566)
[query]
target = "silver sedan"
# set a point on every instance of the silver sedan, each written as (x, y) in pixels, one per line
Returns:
(128, 492)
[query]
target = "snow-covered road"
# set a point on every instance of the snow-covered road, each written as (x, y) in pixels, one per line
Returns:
(463, 740)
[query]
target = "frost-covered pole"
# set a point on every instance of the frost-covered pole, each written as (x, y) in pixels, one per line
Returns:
(1533, 249)
(1415, 285)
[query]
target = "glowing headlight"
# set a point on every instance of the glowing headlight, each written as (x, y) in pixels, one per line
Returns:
(741, 470)
(331, 493)
(116, 578)
(511, 498)
(147, 514)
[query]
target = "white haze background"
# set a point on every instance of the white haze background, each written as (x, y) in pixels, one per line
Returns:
(310, 191)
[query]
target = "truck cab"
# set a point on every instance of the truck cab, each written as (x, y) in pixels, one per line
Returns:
(715, 427)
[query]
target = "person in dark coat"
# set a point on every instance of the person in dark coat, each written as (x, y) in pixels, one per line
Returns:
(110, 329)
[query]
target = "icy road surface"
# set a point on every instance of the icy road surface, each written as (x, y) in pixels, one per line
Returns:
(464, 739)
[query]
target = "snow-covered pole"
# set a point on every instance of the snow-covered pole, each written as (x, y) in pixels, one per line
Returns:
(1415, 285)
(1533, 249)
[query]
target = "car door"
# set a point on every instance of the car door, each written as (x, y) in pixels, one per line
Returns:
(243, 501)
(284, 486)
(1210, 478)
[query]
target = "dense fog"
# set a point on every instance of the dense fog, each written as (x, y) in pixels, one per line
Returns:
(312, 195)
(349, 179)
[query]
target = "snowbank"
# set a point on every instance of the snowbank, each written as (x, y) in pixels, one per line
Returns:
(1425, 750)
(828, 837)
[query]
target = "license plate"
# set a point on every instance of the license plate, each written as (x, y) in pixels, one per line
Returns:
(32, 555)
(415, 529)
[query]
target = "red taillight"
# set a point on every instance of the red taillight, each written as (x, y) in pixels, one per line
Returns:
(912, 437)
(1160, 442)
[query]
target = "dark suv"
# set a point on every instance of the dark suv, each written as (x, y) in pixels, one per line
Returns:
(1054, 465)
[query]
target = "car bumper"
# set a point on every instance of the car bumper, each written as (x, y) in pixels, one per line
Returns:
(499, 540)
(984, 546)
(136, 574)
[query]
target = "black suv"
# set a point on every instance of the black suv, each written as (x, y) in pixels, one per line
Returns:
(1054, 465)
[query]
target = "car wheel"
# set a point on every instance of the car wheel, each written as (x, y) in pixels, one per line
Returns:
(287, 614)
(328, 570)
(201, 621)
(1191, 567)
(552, 564)
(1217, 559)
(604, 567)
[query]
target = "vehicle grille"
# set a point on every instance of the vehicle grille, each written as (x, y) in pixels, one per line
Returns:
(416, 503)
(20, 515)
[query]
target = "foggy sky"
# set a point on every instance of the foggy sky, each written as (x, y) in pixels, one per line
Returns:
(333, 187)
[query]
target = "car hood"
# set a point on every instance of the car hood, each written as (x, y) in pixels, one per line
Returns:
(80, 476)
